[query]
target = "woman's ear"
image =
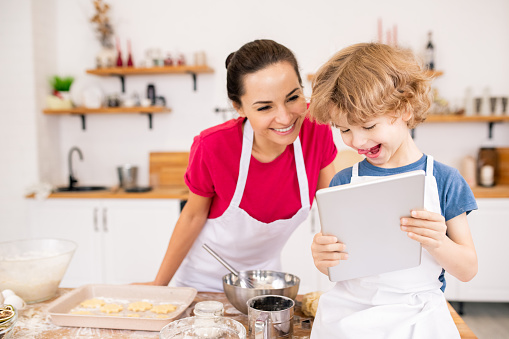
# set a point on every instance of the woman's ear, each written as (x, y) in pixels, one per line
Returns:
(239, 109)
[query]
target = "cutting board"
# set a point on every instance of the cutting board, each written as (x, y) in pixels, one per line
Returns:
(167, 169)
(503, 166)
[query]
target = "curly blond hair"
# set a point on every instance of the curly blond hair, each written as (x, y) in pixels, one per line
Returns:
(367, 80)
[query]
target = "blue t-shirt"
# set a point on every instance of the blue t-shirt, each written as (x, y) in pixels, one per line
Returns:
(455, 195)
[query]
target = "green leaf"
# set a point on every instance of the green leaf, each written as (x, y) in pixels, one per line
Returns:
(61, 84)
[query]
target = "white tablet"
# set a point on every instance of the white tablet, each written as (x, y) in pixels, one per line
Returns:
(366, 218)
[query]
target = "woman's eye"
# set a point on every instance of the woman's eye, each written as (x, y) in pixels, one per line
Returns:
(370, 127)
(344, 130)
(293, 98)
(263, 108)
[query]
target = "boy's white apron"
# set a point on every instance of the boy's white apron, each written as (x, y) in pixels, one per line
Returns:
(244, 242)
(402, 304)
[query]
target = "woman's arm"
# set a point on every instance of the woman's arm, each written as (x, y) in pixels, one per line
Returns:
(454, 251)
(326, 175)
(188, 227)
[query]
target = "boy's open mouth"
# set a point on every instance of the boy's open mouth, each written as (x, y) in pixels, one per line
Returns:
(372, 152)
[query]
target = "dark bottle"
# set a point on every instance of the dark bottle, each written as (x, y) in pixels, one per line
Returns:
(151, 93)
(430, 54)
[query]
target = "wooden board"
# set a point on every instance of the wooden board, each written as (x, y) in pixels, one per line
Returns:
(168, 168)
(503, 166)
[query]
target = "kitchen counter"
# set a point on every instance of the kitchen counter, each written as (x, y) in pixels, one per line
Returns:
(34, 322)
(166, 192)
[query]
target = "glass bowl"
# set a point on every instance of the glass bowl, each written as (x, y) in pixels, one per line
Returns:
(34, 268)
(203, 327)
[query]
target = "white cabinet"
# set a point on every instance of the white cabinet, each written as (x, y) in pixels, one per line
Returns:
(119, 240)
(296, 256)
(490, 231)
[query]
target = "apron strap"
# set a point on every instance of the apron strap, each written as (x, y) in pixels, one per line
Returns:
(301, 173)
(245, 159)
(355, 170)
(429, 165)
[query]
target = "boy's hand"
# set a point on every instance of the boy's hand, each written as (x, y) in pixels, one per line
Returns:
(426, 227)
(327, 252)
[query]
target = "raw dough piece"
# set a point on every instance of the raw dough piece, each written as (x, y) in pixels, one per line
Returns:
(310, 303)
(161, 316)
(133, 315)
(111, 308)
(81, 312)
(164, 308)
(139, 306)
(92, 303)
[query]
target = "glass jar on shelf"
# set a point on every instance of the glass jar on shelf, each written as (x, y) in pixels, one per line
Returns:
(487, 163)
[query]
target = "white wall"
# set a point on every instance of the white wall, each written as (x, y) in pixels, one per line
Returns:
(57, 38)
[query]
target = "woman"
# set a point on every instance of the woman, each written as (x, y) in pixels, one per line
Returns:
(251, 179)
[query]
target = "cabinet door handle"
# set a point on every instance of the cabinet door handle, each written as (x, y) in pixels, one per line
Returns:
(96, 226)
(105, 219)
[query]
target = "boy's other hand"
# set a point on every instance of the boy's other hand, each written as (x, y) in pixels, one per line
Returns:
(327, 252)
(426, 227)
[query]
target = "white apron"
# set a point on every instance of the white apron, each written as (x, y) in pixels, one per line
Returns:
(402, 304)
(244, 242)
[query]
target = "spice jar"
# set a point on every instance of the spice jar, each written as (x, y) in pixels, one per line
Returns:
(8, 318)
(487, 163)
(209, 309)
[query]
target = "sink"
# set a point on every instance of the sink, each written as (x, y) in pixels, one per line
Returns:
(81, 188)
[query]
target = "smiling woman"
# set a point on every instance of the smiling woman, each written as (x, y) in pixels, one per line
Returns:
(252, 179)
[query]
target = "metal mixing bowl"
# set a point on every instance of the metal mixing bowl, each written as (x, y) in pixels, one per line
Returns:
(266, 283)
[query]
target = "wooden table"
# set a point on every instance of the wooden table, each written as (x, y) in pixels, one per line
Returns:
(35, 323)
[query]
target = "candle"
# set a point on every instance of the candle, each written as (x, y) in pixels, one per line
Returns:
(487, 175)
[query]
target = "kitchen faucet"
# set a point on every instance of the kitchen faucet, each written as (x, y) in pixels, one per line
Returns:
(72, 179)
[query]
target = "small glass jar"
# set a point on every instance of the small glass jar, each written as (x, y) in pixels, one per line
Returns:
(487, 163)
(8, 318)
(209, 309)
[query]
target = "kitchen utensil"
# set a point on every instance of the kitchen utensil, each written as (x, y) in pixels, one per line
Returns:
(267, 283)
(196, 327)
(270, 316)
(244, 281)
(127, 176)
(34, 268)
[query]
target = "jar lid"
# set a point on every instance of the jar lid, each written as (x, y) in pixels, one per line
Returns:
(209, 308)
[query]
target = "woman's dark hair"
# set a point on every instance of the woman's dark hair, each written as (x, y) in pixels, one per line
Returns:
(252, 57)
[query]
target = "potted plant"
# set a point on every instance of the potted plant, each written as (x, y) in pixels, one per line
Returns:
(60, 97)
(104, 30)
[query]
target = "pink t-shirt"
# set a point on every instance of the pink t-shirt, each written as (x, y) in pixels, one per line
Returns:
(272, 189)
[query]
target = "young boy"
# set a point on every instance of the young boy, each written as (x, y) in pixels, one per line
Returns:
(374, 94)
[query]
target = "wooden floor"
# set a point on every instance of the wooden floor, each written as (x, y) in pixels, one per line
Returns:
(486, 320)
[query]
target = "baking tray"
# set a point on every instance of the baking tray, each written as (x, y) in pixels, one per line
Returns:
(60, 309)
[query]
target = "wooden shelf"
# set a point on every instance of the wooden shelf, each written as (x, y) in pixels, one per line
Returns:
(498, 191)
(463, 118)
(150, 70)
(109, 110)
(434, 74)
(121, 72)
(82, 111)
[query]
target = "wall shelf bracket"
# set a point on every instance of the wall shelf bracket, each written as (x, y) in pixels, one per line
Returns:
(193, 74)
(122, 82)
(149, 119)
(490, 129)
(83, 122)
